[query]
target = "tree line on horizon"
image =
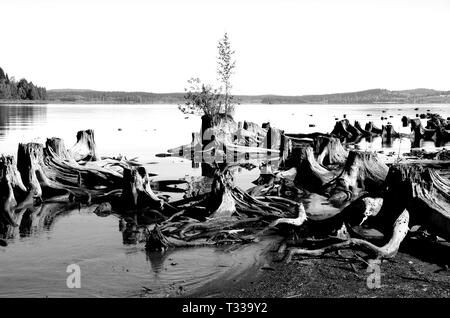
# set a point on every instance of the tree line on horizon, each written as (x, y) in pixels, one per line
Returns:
(10, 89)
(376, 96)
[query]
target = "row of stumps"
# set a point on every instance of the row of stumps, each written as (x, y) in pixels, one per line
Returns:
(207, 122)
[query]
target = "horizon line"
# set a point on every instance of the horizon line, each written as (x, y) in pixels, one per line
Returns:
(255, 95)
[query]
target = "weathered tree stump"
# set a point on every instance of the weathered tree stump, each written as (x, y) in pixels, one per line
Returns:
(372, 128)
(388, 133)
(330, 152)
(136, 190)
(364, 132)
(340, 130)
(85, 148)
(423, 192)
(310, 174)
(8, 166)
(363, 171)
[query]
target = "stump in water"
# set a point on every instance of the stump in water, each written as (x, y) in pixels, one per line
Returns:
(423, 192)
(57, 149)
(331, 151)
(223, 203)
(388, 133)
(442, 134)
(136, 190)
(362, 171)
(225, 215)
(310, 174)
(85, 148)
(352, 129)
(340, 130)
(8, 166)
(51, 171)
(30, 163)
(373, 129)
(364, 132)
(7, 199)
(405, 121)
(422, 133)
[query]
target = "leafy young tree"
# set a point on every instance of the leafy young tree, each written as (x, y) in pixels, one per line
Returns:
(225, 67)
(204, 99)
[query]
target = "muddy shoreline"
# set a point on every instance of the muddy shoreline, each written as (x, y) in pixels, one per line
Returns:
(415, 272)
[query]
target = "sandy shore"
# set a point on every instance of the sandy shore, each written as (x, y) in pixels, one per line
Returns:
(421, 275)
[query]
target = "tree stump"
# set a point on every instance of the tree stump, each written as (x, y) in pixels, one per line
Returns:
(331, 152)
(85, 148)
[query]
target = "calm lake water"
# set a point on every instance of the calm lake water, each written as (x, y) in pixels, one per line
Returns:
(34, 264)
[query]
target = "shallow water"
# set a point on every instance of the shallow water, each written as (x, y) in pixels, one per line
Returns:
(34, 264)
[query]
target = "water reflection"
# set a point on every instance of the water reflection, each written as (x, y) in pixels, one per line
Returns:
(50, 236)
(20, 117)
(157, 260)
(33, 220)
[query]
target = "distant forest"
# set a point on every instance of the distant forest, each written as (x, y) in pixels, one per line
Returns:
(24, 91)
(100, 97)
(21, 90)
(373, 96)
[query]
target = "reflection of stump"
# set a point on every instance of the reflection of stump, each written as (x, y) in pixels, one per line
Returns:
(207, 122)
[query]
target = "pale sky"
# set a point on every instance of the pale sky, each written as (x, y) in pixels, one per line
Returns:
(282, 47)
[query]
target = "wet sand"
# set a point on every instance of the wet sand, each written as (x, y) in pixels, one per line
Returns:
(416, 271)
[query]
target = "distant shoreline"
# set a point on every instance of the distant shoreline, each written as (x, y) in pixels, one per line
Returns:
(56, 102)
(24, 102)
(367, 97)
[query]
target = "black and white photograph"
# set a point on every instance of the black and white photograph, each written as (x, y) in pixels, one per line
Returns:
(213, 150)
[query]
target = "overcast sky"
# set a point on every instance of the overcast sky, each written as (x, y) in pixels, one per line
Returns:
(282, 47)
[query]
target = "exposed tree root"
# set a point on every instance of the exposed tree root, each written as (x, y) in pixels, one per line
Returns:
(389, 250)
